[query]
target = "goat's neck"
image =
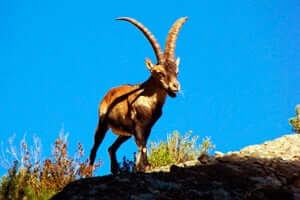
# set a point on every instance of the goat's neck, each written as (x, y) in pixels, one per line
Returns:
(154, 90)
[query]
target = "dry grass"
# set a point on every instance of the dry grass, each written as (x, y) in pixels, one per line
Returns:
(31, 178)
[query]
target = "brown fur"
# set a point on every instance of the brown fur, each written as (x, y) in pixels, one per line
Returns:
(132, 110)
(122, 105)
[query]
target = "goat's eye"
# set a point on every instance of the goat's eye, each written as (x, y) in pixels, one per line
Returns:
(161, 75)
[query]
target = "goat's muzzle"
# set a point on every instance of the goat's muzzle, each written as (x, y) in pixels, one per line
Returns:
(173, 89)
(172, 94)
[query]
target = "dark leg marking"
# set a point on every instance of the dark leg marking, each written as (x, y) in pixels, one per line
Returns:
(112, 153)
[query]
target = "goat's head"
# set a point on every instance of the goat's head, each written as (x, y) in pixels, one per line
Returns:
(166, 70)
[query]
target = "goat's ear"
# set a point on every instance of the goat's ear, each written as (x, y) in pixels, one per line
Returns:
(149, 64)
(177, 61)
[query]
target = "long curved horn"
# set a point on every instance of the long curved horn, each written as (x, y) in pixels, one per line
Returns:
(148, 35)
(172, 37)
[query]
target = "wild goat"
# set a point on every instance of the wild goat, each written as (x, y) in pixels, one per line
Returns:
(132, 110)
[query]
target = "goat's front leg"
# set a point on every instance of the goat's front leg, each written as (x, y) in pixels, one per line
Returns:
(141, 140)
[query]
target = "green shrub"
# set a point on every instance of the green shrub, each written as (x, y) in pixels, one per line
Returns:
(295, 121)
(177, 149)
(31, 178)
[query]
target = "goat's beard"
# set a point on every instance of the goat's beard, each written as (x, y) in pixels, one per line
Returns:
(171, 94)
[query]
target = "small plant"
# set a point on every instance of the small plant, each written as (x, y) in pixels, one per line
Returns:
(177, 149)
(31, 178)
(295, 121)
(127, 166)
(15, 185)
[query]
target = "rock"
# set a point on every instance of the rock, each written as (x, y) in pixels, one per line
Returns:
(146, 196)
(161, 185)
(218, 154)
(268, 171)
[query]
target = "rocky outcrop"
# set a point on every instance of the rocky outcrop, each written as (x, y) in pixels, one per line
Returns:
(266, 171)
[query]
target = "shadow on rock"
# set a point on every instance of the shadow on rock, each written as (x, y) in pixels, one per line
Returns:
(224, 177)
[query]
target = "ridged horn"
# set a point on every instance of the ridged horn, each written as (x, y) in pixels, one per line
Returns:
(148, 35)
(172, 37)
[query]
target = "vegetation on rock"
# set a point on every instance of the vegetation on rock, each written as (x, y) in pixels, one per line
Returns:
(31, 178)
(295, 121)
(178, 149)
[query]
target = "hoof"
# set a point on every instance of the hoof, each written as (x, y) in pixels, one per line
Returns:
(148, 167)
(114, 168)
(143, 168)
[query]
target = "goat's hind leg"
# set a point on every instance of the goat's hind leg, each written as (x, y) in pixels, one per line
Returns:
(99, 136)
(114, 166)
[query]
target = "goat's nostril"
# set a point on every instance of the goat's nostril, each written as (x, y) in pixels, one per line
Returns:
(175, 86)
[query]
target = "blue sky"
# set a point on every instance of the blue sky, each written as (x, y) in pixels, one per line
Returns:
(239, 68)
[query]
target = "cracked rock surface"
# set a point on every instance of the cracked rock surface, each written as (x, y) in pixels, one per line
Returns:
(268, 171)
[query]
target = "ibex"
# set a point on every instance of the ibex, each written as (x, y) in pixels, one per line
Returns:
(132, 110)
